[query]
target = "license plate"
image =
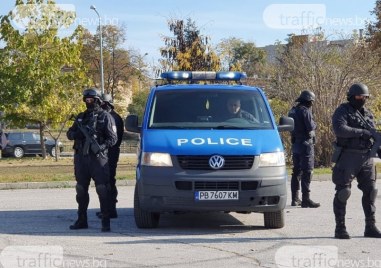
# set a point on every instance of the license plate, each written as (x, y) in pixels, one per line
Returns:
(216, 195)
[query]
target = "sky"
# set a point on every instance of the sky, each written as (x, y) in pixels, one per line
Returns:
(263, 22)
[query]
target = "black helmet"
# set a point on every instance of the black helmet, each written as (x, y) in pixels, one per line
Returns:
(108, 99)
(358, 89)
(305, 96)
(92, 93)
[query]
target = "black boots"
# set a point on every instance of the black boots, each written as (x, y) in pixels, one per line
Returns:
(113, 214)
(295, 200)
(106, 225)
(81, 223)
(370, 229)
(307, 202)
(341, 230)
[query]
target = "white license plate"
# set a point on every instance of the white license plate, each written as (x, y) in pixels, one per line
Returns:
(216, 195)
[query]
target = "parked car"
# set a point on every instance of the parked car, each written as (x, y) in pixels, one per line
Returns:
(28, 143)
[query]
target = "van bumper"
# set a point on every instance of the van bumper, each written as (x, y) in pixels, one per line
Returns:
(163, 190)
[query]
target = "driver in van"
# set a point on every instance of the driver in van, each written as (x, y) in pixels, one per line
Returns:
(234, 107)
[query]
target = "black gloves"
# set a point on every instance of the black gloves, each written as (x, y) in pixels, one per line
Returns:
(102, 147)
(366, 134)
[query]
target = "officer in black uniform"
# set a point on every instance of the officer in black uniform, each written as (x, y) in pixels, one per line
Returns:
(351, 124)
(93, 132)
(113, 152)
(303, 142)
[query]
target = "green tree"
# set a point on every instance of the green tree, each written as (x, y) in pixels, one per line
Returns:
(187, 49)
(42, 74)
(137, 106)
(238, 55)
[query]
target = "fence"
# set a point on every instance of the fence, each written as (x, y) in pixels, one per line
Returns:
(127, 146)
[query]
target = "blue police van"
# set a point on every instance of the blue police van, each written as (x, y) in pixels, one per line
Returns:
(208, 143)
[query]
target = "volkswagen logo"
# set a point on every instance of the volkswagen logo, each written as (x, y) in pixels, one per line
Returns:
(216, 161)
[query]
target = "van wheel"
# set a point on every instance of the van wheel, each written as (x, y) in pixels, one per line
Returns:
(18, 152)
(143, 218)
(274, 220)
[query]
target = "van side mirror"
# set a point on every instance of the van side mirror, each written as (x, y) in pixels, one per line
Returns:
(131, 123)
(286, 124)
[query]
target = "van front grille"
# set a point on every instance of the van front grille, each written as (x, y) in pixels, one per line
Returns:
(201, 162)
(218, 185)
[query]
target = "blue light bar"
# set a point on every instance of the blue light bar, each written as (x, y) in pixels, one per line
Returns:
(199, 75)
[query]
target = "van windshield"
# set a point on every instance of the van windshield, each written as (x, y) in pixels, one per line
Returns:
(209, 109)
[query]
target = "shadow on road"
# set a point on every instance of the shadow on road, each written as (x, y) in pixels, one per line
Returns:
(57, 222)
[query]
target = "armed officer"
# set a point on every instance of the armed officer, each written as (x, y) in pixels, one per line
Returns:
(352, 125)
(113, 152)
(93, 132)
(303, 142)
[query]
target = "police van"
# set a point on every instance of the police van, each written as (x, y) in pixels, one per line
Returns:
(208, 143)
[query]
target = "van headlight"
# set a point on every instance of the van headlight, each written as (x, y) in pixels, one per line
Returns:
(272, 159)
(156, 160)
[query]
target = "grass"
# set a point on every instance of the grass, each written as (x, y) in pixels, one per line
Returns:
(30, 169)
(36, 169)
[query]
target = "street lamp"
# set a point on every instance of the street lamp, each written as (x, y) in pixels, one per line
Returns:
(101, 48)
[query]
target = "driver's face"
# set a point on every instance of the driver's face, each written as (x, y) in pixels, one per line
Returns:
(234, 106)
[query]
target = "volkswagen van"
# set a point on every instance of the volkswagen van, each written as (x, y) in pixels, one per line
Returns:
(195, 155)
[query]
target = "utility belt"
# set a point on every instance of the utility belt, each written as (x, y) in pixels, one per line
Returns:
(338, 150)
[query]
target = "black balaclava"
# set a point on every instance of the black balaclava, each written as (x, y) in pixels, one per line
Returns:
(307, 104)
(357, 104)
(93, 106)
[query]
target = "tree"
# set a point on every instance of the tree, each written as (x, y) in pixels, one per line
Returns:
(187, 49)
(36, 86)
(119, 64)
(327, 69)
(238, 55)
(138, 103)
(374, 29)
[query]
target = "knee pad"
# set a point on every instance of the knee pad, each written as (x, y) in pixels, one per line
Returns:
(81, 191)
(101, 189)
(343, 194)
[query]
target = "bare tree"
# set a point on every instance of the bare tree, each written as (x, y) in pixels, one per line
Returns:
(327, 69)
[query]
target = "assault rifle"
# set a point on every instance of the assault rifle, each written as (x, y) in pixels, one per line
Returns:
(91, 141)
(375, 134)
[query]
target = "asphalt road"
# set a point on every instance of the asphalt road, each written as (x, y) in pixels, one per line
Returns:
(34, 224)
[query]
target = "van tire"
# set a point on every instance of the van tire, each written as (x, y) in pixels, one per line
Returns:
(274, 220)
(143, 218)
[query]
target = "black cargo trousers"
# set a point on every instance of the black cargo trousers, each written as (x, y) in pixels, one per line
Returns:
(351, 164)
(113, 158)
(303, 156)
(95, 167)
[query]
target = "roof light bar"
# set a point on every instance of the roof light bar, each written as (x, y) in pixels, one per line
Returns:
(197, 75)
